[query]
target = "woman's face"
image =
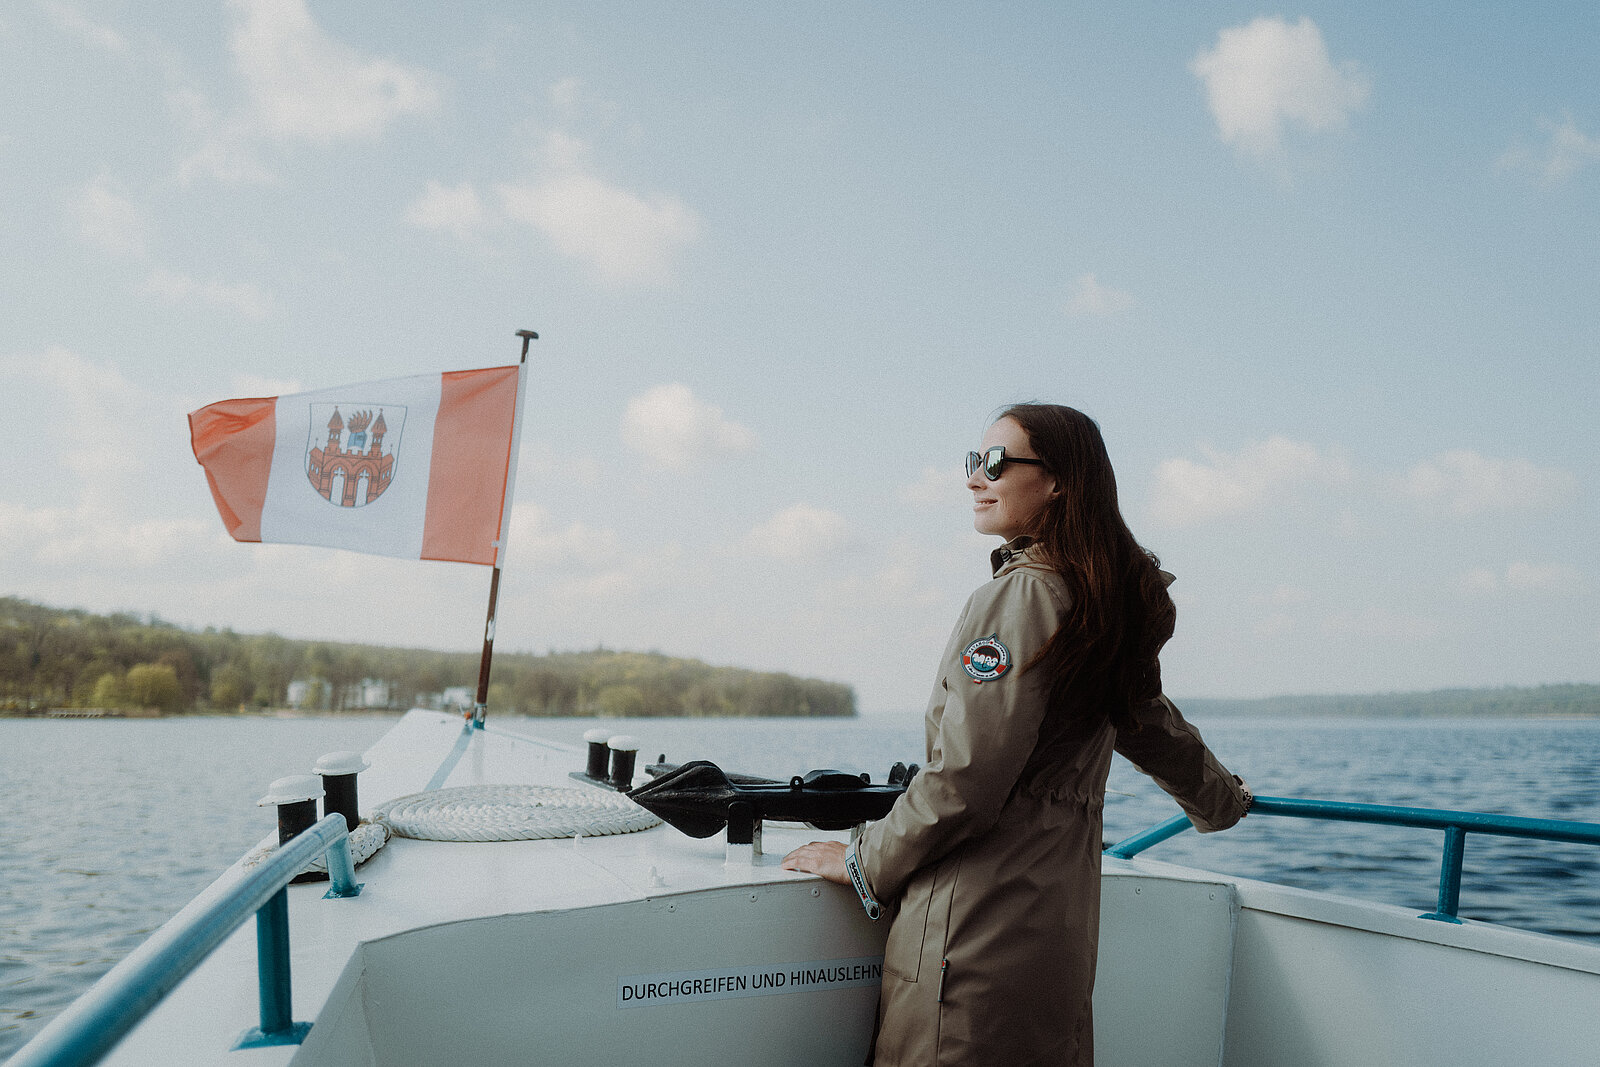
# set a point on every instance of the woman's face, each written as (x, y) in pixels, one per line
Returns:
(1007, 506)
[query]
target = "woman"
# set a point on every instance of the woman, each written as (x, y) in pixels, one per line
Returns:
(991, 859)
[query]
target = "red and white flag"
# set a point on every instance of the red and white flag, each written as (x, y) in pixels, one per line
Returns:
(420, 468)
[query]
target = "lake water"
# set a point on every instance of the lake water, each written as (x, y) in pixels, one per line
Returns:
(108, 827)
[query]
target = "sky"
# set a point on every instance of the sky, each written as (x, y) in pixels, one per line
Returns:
(1325, 275)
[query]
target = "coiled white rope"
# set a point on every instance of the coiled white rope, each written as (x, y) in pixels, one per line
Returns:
(366, 839)
(512, 813)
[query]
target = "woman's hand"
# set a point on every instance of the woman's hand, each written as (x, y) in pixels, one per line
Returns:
(819, 857)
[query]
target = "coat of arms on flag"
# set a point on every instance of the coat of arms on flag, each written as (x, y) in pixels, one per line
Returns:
(275, 464)
(350, 463)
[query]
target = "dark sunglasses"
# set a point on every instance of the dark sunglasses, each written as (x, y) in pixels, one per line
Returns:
(994, 460)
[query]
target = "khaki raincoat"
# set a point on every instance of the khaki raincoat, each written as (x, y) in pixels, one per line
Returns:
(991, 860)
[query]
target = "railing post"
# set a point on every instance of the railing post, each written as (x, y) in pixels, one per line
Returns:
(272, 969)
(1455, 848)
(341, 871)
(272, 964)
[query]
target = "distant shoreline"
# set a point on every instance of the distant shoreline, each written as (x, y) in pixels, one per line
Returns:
(350, 713)
(81, 665)
(1565, 701)
(1548, 702)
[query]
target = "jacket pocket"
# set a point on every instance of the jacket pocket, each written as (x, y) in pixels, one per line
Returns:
(919, 926)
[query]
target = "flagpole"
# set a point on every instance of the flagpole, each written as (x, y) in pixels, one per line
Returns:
(481, 706)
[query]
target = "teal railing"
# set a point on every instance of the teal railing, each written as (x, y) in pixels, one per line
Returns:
(1455, 824)
(100, 1018)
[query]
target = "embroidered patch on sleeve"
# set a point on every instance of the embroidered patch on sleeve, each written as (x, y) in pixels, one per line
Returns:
(986, 659)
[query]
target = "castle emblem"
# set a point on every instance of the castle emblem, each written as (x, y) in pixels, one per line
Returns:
(350, 468)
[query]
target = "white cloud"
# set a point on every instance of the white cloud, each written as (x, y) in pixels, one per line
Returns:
(247, 300)
(227, 152)
(1567, 149)
(93, 551)
(439, 208)
(672, 427)
(1268, 74)
(300, 84)
(95, 34)
(1463, 483)
(799, 533)
(96, 405)
(548, 462)
(90, 537)
(566, 95)
(1523, 577)
(114, 502)
(589, 565)
(1188, 492)
(245, 384)
(938, 485)
(549, 547)
(622, 236)
(1089, 299)
(109, 220)
(305, 85)
(228, 156)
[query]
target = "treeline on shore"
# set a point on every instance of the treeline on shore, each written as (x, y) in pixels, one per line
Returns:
(1544, 701)
(53, 658)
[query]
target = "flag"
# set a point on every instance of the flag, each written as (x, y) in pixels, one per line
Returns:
(419, 468)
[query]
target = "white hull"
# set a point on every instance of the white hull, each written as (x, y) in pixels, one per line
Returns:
(1196, 969)
(564, 952)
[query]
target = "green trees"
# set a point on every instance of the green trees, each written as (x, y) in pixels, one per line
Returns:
(57, 658)
(154, 685)
(231, 686)
(647, 683)
(143, 686)
(108, 691)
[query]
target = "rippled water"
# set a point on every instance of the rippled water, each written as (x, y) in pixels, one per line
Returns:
(108, 827)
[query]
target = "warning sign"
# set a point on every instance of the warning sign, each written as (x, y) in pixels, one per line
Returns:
(720, 983)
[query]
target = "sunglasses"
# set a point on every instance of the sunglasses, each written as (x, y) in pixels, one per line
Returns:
(994, 460)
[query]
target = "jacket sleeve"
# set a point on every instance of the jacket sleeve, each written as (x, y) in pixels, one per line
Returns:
(1168, 749)
(986, 734)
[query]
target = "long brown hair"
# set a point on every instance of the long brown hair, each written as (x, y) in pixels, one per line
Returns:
(1104, 656)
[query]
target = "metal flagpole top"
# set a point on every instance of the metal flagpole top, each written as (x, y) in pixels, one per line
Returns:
(526, 335)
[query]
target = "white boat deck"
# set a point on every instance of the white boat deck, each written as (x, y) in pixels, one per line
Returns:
(565, 952)
(410, 887)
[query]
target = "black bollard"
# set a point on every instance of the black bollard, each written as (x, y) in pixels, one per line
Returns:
(338, 771)
(599, 755)
(295, 797)
(624, 753)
